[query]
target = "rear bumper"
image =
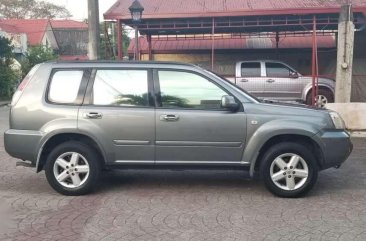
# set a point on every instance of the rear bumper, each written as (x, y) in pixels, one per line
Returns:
(22, 144)
(336, 146)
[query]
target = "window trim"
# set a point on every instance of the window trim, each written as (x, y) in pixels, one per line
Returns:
(88, 101)
(157, 92)
(82, 87)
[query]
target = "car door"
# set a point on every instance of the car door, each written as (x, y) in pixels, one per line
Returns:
(282, 82)
(119, 114)
(251, 78)
(191, 126)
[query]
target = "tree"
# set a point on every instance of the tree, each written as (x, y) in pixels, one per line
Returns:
(23, 9)
(36, 55)
(8, 76)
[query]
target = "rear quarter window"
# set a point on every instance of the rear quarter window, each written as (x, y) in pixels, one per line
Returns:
(64, 86)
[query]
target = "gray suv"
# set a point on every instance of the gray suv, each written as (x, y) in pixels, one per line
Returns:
(75, 119)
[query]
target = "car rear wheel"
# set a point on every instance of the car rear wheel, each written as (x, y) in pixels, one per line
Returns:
(324, 97)
(289, 170)
(72, 168)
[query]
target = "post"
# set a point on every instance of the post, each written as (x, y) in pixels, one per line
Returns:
(120, 39)
(277, 44)
(137, 43)
(93, 23)
(150, 47)
(346, 34)
(314, 69)
(213, 45)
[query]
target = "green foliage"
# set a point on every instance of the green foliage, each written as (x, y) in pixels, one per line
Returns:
(36, 55)
(23, 9)
(8, 76)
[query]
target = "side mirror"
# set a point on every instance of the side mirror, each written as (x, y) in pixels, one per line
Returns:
(228, 102)
(294, 75)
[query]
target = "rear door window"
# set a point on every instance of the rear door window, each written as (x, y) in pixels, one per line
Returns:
(127, 88)
(64, 86)
(251, 69)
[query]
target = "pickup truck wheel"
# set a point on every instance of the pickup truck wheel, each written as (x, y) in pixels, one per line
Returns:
(289, 170)
(324, 97)
(72, 168)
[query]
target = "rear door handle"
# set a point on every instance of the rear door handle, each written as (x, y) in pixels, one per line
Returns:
(94, 115)
(244, 80)
(169, 117)
(270, 81)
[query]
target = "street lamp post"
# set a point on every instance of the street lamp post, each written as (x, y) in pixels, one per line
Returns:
(136, 10)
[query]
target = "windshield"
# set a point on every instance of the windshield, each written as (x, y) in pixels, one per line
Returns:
(233, 85)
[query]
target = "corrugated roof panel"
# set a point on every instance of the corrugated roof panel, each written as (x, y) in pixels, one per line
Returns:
(199, 8)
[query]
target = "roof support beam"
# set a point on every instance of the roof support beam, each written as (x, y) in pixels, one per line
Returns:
(120, 39)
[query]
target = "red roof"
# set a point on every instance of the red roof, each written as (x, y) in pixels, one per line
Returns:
(155, 9)
(8, 28)
(68, 24)
(239, 43)
(34, 28)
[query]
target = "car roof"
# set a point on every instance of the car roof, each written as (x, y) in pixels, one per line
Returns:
(124, 62)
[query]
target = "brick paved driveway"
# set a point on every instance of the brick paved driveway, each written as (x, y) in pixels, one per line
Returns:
(180, 205)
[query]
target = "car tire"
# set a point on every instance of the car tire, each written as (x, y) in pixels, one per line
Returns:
(73, 168)
(289, 170)
(324, 96)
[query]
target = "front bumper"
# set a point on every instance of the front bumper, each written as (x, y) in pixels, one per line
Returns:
(336, 147)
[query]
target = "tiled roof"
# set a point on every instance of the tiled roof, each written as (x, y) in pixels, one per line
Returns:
(155, 9)
(34, 28)
(8, 28)
(68, 24)
(239, 43)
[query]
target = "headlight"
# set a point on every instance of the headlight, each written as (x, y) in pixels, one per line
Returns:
(337, 120)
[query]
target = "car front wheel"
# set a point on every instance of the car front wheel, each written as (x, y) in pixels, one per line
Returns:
(289, 169)
(72, 168)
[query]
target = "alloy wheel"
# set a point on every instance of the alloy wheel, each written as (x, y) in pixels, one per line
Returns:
(289, 171)
(71, 170)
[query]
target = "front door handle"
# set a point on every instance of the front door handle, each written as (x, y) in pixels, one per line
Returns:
(270, 81)
(244, 80)
(169, 117)
(94, 115)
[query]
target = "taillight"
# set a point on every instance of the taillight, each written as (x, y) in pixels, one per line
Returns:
(23, 85)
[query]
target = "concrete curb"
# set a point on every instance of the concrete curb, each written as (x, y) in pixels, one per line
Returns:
(358, 134)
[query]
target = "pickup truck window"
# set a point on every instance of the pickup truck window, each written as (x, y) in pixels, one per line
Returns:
(188, 90)
(251, 69)
(277, 70)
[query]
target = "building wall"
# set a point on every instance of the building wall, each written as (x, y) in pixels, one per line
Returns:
(72, 41)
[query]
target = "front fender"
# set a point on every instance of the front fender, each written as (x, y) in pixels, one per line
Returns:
(272, 129)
